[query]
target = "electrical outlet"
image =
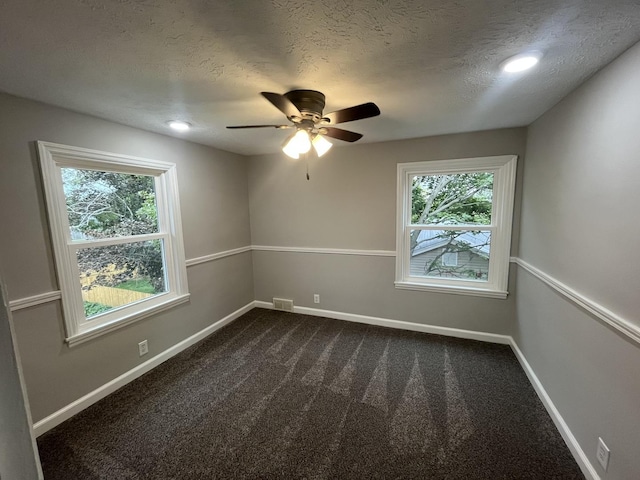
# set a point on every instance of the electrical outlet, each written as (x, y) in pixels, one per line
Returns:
(143, 347)
(602, 454)
(316, 298)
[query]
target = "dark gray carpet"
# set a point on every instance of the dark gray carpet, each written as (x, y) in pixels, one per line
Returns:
(278, 395)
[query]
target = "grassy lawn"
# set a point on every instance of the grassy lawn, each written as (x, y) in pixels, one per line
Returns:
(92, 308)
(142, 285)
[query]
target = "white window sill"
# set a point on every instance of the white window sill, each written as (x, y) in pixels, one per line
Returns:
(457, 290)
(98, 330)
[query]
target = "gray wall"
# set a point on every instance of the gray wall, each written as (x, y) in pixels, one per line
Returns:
(350, 203)
(215, 217)
(580, 225)
(18, 451)
(579, 211)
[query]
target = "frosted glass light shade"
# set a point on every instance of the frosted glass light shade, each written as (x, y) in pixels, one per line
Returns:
(301, 139)
(289, 148)
(297, 144)
(321, 145)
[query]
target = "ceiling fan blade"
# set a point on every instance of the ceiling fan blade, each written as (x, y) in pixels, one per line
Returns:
(283, 104)
(341, 134)
(366, 110)
(260, 126)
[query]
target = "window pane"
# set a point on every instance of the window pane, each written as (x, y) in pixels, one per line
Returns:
(118, 275)
(456, 199)
(450, 254)
(107, 204)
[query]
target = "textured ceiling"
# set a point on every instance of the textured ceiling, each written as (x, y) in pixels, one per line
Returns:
(432, 66)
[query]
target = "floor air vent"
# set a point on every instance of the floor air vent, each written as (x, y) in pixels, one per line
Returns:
(283, 304)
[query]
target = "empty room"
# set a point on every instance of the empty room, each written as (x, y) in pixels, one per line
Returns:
(329, 240)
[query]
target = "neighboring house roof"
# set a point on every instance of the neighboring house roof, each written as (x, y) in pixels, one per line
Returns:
(431, 239)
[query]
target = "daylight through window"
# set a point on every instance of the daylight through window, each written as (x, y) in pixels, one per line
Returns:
(117, 237)
(454, 225)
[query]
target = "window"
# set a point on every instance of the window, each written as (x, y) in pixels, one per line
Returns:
(117, 237)
(449, 259)
(454, 225)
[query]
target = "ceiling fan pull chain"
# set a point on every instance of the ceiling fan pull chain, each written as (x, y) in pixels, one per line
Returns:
(307, 166)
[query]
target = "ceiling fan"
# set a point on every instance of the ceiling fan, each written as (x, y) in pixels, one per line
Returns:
(303, 109)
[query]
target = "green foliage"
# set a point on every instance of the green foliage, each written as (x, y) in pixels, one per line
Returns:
(454, 199)
(131, 260)
(106, 205)
(107, 201)
(142, 285)
(148, 211)
(92, 308)
(418, 200)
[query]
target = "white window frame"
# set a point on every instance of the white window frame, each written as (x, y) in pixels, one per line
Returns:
(504, 170)
(54, 157)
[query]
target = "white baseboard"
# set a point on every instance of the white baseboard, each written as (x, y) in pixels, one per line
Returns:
(399, 324)
(574, 447)
(77, 406)
(578, 454)
(90, 398)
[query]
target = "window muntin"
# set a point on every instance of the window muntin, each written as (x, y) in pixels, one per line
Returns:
(454, 225)
(115, 223)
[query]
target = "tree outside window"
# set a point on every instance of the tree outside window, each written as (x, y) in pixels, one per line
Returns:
(105, 205)
(454, 224)
(117, 237)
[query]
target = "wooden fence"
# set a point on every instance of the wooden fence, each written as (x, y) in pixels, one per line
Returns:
(112, 297)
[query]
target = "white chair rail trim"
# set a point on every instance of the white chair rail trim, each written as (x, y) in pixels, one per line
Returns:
(90, 398)
(328, 251)
(217, 256)
(602, 313)
(56, 295)
(34, 300)
(576, 449)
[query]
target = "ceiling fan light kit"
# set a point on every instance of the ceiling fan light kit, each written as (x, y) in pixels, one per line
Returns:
(304, 109)
(297, 144)
(321, 145)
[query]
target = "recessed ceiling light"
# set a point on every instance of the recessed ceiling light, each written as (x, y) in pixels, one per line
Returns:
(179, 126)
(521, 62)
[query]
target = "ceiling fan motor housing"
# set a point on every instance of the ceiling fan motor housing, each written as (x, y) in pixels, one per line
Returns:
(304, 109)
(309, 102)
